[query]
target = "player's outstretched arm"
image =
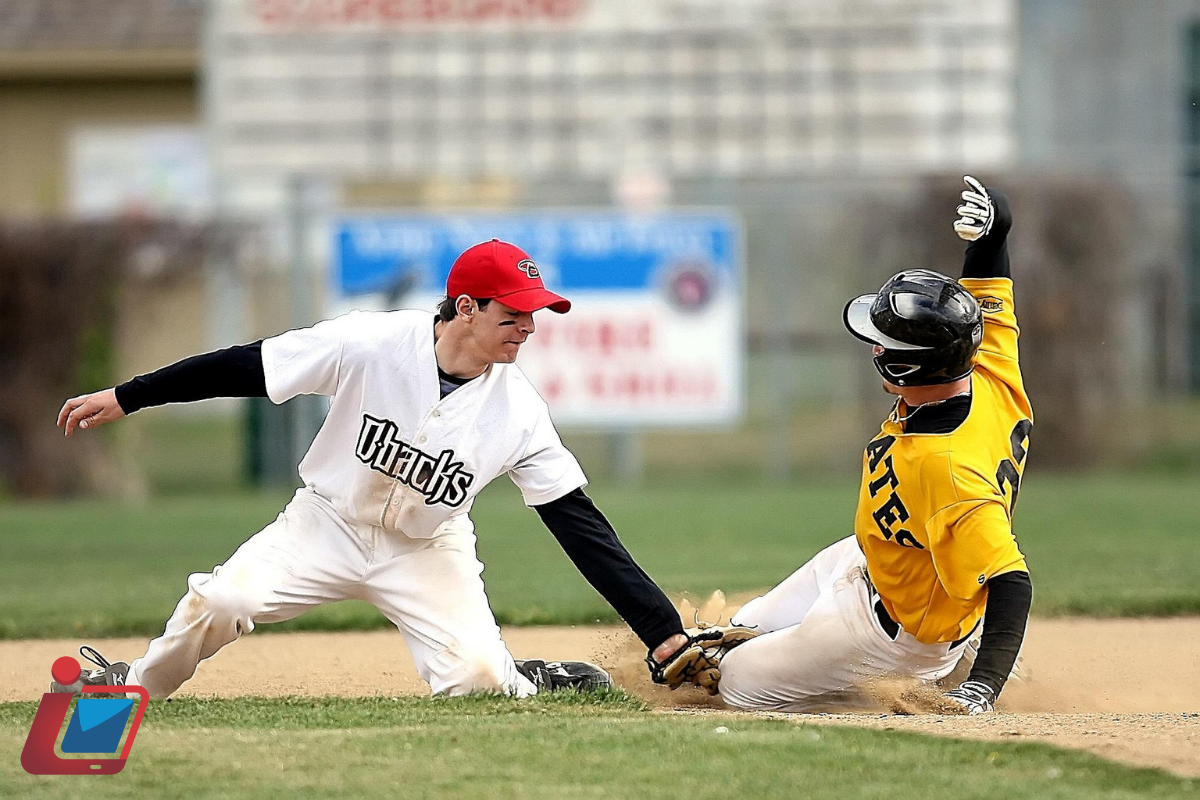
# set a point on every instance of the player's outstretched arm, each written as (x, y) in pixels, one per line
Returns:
(232, 372)
(591, 543)
(1009, 598)
(984, 220)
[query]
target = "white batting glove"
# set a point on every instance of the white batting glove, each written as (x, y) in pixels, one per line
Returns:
(976, 214)
(973, 697)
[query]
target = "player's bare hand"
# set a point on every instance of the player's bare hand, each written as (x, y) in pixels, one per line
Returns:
(976, 214)
(669, 648)
(89, 411)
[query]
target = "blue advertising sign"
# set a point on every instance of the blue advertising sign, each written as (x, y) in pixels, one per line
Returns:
(588, 251)
(655, 333)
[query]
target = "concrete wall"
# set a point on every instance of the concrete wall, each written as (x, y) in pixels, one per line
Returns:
(38, 114)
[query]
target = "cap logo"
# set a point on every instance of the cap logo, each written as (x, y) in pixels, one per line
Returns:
(529, 268)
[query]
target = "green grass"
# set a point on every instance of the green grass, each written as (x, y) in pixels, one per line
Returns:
(1101, 545)
(180, 454)
(605, 746)
(1112, 545)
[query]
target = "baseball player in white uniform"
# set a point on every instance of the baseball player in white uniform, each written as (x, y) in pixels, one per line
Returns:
(425, 410)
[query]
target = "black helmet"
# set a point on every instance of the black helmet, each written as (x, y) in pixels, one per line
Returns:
(928, 325)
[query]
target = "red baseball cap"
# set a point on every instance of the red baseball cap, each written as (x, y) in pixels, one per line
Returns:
(501, 271)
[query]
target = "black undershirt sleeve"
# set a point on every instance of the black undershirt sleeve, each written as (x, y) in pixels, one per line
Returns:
(987, 256)
(233, 372)
(592, 545)
(1009, 599)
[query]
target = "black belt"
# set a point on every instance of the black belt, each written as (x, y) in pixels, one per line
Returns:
(892, 628)
(889, 625)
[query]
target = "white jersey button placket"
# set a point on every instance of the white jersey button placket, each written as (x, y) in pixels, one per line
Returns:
(399, 495)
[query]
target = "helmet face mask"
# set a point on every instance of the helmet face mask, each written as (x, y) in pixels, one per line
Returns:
(928, 325)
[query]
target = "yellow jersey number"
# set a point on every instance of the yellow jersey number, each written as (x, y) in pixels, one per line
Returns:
(1009, 471)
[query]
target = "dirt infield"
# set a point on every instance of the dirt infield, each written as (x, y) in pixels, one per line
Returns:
(1124, 689)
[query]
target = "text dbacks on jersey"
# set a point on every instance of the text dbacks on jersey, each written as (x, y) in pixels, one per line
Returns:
(439, 479)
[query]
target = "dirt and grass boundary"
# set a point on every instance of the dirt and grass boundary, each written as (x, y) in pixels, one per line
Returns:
(1125, 689)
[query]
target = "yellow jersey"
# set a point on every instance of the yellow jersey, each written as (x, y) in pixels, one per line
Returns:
(934, 515)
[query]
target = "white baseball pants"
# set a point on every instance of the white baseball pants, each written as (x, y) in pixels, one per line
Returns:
(822, 641)
(430, 589)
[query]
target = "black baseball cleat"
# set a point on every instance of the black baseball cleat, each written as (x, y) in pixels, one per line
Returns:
(555, 676)
(108, 674)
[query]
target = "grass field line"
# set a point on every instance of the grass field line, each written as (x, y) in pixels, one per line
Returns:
(561, 746)
(1168, 741)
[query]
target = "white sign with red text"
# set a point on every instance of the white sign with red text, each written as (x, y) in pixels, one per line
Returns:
(616, 360)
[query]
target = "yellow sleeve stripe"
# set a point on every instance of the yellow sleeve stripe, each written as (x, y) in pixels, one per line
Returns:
(986, 284)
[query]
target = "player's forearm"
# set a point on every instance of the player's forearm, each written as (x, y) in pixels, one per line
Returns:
(986, 260)
(232, 372)
(592, 545)
(987, 256)
(1009, 598)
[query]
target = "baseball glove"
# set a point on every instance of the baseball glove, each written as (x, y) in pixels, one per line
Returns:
(698, 661)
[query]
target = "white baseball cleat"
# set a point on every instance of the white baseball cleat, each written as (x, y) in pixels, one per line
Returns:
(109, 674)
(554, 676)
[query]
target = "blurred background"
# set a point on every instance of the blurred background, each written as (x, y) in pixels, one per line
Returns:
(708, 181)
(178, 176)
